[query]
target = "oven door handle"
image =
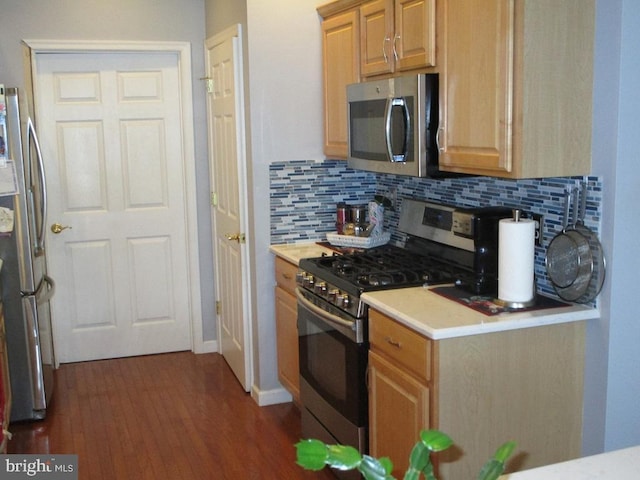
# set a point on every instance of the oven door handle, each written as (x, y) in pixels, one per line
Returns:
(324, 315)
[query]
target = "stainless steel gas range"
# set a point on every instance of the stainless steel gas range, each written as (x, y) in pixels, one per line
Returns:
(445, 245)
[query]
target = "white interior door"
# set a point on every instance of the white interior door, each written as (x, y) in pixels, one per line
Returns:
(228, 179)
(111, 131)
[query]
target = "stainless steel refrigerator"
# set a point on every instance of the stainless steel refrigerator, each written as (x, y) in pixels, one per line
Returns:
(26, 287)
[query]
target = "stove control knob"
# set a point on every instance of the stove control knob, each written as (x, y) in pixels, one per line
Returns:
(308, 281)
(332, 295)
(344, 300)
(300, 277)
(320, 288)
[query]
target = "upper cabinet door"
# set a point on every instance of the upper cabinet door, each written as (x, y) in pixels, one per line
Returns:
(376, 43)
(516, 87)
(476, 120)
(415, 34)
(397, 36)
(340, 49)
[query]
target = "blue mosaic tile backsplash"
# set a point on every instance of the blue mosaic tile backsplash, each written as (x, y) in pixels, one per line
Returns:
(304, 194)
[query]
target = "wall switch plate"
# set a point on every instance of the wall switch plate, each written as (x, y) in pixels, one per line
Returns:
(539, 219)
(393, 196)
(390, 193)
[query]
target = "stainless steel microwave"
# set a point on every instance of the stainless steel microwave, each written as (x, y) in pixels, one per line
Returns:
(393, 125)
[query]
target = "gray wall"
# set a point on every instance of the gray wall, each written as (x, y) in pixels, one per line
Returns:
(283, 93)
(617, 150)
(135, 20)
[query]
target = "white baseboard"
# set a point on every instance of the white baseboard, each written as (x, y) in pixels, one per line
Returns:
(270, 397)
(208, 346)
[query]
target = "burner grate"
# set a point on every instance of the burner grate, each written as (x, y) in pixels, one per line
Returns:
(386, 267)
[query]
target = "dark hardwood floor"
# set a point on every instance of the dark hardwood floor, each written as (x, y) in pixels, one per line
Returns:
(171, 416)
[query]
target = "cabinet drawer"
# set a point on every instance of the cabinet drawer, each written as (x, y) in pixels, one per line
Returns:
(286, 274)
(402, 345)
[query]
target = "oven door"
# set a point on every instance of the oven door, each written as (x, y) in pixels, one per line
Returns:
(333, 363)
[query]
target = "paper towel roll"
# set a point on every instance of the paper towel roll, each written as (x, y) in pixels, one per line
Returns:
(516, 252)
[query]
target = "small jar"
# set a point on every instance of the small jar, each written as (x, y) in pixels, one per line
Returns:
(359, 214)
(342, 217)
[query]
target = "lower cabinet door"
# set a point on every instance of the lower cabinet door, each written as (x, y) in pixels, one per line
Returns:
(398, 410)
(287, 340)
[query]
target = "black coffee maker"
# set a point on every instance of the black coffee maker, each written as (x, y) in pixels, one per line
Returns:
(480, 275)
(466, 238)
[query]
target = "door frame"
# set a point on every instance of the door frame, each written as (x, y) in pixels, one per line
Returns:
(234, 33)
(183, 52)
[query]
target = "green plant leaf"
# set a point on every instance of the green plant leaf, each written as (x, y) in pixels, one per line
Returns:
(435, 440)
(419, 456)
(495, 465)
(491, 470)
(387, 464)
(420, 463)
(504, 451)
(311, 454)
(428, 472)
(343, 457)
(373, 469)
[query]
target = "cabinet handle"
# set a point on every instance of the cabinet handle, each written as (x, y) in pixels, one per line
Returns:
(438, 146)
(393, 342)
(395, 50)
(384, 49)
(366, 377)
(286, 276)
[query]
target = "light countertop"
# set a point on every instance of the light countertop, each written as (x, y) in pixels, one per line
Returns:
(294, 252)
(438, 317)
(620, 465)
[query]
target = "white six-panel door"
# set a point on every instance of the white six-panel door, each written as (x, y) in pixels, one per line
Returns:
(111, 132)
(228, 180)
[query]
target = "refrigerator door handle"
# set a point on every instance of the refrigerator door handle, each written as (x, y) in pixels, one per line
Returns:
(48, 283)
(35, 353)
(40, 229)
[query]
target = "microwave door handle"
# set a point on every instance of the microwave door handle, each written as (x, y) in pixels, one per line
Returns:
(387, 129)
(397, 102)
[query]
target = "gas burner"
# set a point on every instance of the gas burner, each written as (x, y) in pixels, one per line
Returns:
(382, 279)
(342, 266)
(434, 276)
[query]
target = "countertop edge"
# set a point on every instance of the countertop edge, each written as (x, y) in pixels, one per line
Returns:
(623, 463)
(467, 321)
(294, 252)
(480, 323)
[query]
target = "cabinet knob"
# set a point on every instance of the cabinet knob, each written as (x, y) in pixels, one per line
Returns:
(393, 342)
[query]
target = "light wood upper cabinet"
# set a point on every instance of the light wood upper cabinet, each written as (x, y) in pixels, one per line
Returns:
(367, 38)
(396, 36)
(516, 87)
(341, 62)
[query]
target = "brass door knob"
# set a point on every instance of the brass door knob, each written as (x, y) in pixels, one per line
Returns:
(57, 228)
(238, 237)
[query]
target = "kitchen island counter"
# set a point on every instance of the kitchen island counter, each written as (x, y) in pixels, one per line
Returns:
(620, 464)
(438, 317)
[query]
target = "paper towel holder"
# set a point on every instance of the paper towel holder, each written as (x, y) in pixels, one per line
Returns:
(517, 305)
(517, 215)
